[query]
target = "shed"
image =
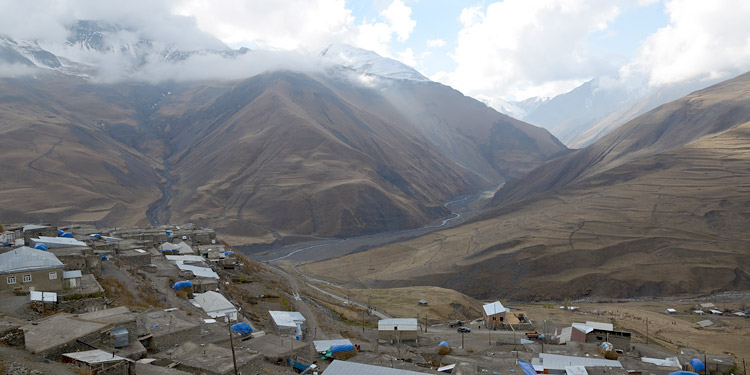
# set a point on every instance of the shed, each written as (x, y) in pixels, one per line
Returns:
(216, 305)
(72, 279)
(120, 337)
(422, 302)
(288, 323)
(398, 329)
(321, 346)
(671, 311)
(94, 361)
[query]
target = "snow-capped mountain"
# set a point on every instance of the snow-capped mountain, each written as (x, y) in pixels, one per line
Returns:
(370, 63)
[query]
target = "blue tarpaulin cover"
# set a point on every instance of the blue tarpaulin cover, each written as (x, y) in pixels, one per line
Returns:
(104, 257)
(60, 232)
(341, 348)
(95, 235)
(527, 368)
(7, 244)
(181, 284)
(167, 251)
(444, 343)
(41, 246)
(228, 252)
(242, 328)
(683, 373)
(697, 365)
(67, 235)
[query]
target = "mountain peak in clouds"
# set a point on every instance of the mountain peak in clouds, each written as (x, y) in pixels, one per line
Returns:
(369, 62)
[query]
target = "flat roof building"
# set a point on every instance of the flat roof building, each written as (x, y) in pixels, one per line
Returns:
(398, 329)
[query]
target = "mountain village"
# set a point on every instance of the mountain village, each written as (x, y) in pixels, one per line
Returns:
(177, 299)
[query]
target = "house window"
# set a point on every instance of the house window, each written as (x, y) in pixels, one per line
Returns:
(27, 278)
(53, 275)
(11, 279)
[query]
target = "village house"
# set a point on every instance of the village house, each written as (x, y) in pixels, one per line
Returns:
(494, 313)
(99, 362)
(593, 332)
(25, 269)
(398, 330)
(288, 323)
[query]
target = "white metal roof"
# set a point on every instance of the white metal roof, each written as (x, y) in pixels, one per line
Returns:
(323, 345)
(185, 258)
(705, 323)
(34, 226)
(671, 310)
(494, 308)
(94, 356)
(601, 326)
(287, 318)
(182, 247)
(560, 362)
(72, 274)
(27, 259)
(58, 241)
(198, 271)
(576, 370)
(667, 362)
(213, 303)
(348, 368)
(708, 305)
(566, 335)
(403, 324)
(582, 327)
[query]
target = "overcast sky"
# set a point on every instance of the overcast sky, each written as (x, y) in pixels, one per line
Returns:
(510, 49)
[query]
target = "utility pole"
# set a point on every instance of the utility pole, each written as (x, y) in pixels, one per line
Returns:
(646, 330)
(462, 339)
(231, 342)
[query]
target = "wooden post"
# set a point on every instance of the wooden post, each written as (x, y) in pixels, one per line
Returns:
(231, 342)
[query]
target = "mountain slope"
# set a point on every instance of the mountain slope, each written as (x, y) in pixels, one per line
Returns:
(659, 207)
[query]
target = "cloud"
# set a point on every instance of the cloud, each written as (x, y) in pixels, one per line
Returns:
(436, 43)
(399, 16)
(519, 47)
(703, 40)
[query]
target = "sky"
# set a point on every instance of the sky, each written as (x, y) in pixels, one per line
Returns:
(510, 50)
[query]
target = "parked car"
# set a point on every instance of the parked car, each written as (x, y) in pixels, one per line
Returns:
(464, 329)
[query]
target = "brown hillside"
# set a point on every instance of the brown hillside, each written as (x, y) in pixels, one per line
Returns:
(669, 223)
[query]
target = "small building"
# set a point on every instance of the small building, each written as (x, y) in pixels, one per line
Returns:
(494, 313)
(557, 364)
(181, 248)
(321, 346)
(348, 368)
(27, 269)
(165, 330)
(398, 329)
(32, 230)
(98, 361)
(595, 332)
(671, 311)
(57, 242)
(216, 305)
(422, 302)
(288, 323)
(72, 279)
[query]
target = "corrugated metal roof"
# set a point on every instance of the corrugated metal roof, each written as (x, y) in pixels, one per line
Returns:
(576, 370)
(34, 226)
(198, 271)
(403, 324)
(27, 259)
(494, 308)
(212, 302)
(348, 368)
(601, 326)
(58, 241)
(94, 356)
(583, 327)
(560, 362)
(72, 274)
(287, 318)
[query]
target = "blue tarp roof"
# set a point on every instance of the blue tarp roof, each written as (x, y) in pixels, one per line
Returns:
(95, 235)
(683, 373)
(527, 368)
(228, 252)
(181, 284)
(66, 235)
(341, 348)
(697, 365)
(444, 343)
(242, 328)
(60, 231)
(41, 246)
